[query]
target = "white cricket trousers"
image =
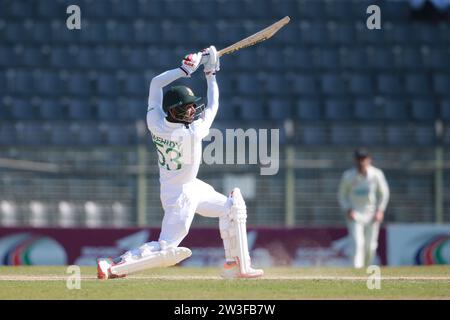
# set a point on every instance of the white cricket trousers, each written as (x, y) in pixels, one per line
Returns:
(364, 242)
(180, 205)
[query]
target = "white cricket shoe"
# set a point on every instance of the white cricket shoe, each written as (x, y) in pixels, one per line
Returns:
(231, 270)
(104, 270)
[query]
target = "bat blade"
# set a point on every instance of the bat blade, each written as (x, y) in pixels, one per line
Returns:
(256, 38)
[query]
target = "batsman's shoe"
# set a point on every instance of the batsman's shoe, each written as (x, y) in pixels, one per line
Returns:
(104, 270)
(231, 270)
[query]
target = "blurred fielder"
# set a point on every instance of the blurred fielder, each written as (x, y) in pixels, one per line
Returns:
(178, 122)
(363, 195)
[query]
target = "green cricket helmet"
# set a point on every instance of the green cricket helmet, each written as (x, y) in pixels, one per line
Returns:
(175, 101)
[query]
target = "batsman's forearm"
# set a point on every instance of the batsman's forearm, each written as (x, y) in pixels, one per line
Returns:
(159, 82)
(213, 91)
(163, 79)
(213, 100)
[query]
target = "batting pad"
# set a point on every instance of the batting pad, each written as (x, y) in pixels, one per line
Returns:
(157, 259)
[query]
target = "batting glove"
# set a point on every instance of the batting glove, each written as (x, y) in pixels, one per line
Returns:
(212, 63)
(191, 62)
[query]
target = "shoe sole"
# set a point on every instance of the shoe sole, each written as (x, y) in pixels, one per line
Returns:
(100, 274)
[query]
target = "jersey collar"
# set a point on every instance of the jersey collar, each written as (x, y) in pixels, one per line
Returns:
(173, 124)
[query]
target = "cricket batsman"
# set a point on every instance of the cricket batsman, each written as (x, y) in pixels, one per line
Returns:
(363, 195)
(178, 121)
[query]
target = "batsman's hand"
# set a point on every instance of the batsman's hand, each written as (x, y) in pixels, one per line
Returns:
(211, 61)
(191, 62)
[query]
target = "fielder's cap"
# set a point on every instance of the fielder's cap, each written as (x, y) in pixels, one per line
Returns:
(361, 153)
(178, 96)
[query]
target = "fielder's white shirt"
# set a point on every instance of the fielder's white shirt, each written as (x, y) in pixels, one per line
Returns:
(365, 194)
(179, 146)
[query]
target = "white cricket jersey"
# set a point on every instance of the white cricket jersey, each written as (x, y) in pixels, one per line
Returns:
(179, 146)
(365, 194)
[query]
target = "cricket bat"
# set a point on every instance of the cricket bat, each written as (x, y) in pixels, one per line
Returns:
(256, 38)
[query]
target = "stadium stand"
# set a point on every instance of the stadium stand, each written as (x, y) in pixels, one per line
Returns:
(77, 95)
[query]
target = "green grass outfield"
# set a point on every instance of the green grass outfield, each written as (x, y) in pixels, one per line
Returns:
(204, 283)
